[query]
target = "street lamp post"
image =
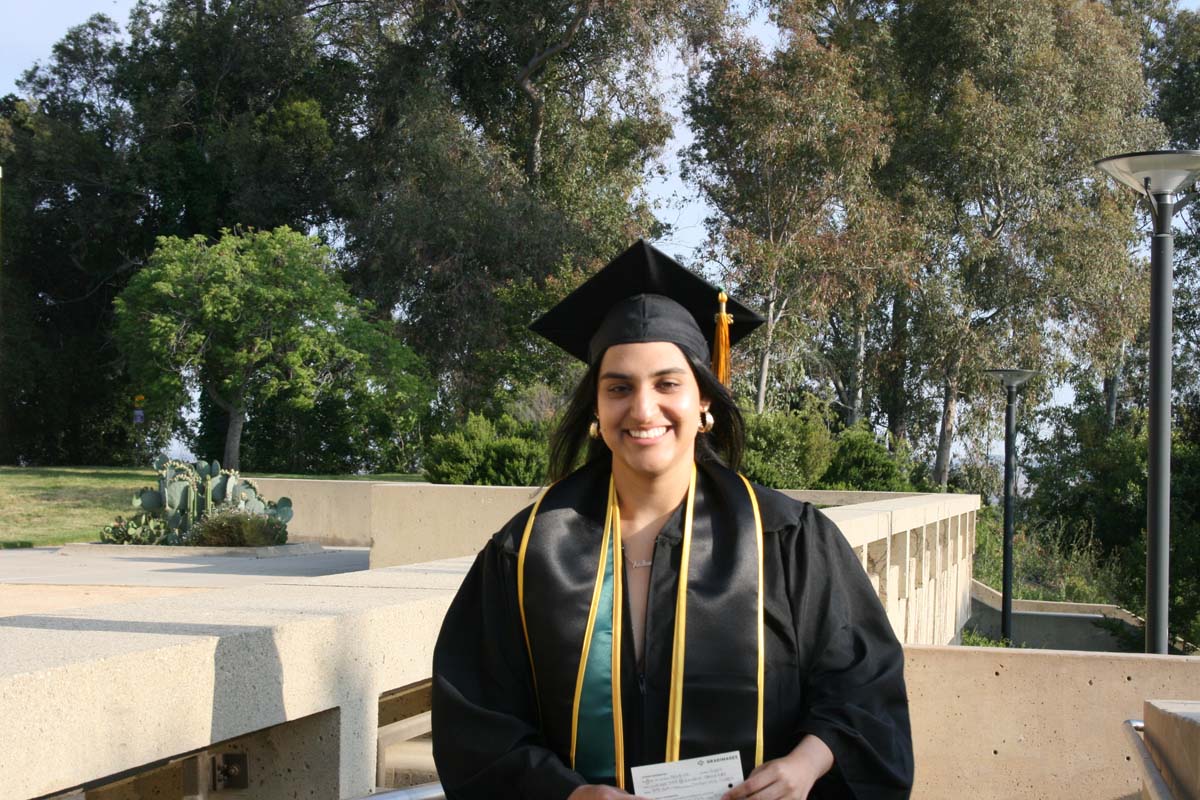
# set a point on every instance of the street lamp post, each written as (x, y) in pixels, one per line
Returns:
(1158, 175)
(1011, 378)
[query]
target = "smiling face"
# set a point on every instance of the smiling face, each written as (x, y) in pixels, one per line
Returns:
(649, 407)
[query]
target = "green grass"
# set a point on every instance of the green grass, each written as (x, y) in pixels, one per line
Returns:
(55, 505)
(45, 506)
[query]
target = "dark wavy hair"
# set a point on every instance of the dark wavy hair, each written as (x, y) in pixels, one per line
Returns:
(724, 444)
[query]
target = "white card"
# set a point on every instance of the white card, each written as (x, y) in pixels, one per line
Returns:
(704, 778)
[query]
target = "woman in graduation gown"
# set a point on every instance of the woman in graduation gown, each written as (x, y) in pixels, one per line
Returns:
(653, 605)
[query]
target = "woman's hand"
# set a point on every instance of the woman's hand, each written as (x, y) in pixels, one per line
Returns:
(591, 792)
(788, 778)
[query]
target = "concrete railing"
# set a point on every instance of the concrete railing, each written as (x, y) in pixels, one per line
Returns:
(356, 513)
(917, 551)
(916, 548)
(291, 675)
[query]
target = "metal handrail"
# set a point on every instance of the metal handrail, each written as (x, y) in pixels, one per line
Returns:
(1153, 785)
(426, 791)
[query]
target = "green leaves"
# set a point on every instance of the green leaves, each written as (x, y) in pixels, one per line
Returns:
(505, 453)
(244, 319)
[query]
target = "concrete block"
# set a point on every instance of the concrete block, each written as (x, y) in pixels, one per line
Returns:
(995, 723)
(1173, 738)
(418, 522)
(331, 512)
(89, 693)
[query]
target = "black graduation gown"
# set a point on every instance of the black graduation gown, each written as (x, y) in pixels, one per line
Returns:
(833, 667)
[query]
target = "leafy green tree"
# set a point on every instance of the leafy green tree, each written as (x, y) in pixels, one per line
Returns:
(371, 416)
(205, 116)
(1089, 481)
(244, 319)
(500, 158)
(237, 111)
(1175, 73)
(72, 208)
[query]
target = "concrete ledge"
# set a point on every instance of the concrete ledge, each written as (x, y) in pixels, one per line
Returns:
(331, 512)
(984, 593)
(464, 517)
(1173, 739)
(119, 550)
(90, 693)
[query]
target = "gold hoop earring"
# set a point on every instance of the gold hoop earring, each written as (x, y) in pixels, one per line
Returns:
(706, 421)
(594, 429)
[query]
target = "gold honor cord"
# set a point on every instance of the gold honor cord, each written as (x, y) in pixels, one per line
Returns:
(521, 590)
(675, 708)
(758, 541)
(618, 607)
(587, 633)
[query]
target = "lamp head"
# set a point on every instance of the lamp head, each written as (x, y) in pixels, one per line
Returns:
(1153, 171)
(1012, 378)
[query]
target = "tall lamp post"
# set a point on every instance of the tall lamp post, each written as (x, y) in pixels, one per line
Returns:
(1011, 378)
(1158, 175)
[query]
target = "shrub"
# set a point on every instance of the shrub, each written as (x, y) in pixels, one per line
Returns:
(486, 453)
(238, 529)
(973, 638)
(863, 463)
(786, 449)
(1047, 564)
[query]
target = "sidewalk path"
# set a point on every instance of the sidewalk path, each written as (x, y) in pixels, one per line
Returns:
(44, 579)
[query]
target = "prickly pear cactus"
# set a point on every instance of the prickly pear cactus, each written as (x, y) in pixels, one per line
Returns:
(186, 494)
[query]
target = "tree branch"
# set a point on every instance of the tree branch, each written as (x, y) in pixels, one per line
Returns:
(533, 162)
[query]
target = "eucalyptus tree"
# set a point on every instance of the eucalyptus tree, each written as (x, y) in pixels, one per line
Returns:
(1002, 116)
(1175, 72)
(785, 145)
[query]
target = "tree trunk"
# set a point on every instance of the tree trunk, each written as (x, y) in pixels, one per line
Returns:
(537, 121)
(233, 439)
(765, 363)
(1112, 389)
(895, 376)
(233, 431)
(854, 410)
(941, 465)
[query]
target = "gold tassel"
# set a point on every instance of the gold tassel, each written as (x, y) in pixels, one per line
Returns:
(720, 355)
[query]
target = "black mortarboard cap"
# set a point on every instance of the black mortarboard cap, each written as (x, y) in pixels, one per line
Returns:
(642, 295)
